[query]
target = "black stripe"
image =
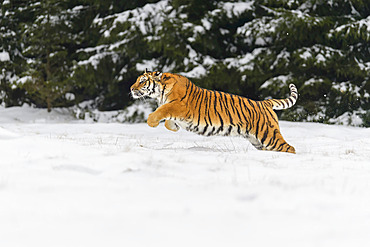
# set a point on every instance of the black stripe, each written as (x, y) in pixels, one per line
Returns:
(273, 138)
(242, 110)
(251, 116)
(199, 92)
(186, 93)
(221, 122)
(266, 113)
(212, 131)
(247, 108)
(219, 129)
(187, 114)
(280, 147)
(275, 143)
(206, 112)
(262, 114)
(264, 136)
(229, 130)
(258, 122)
(205, 129)
(192, 88)
(170, 92)
(227, 110)
(230, 99)
(200, 106)
(236, 110)
(209, 105)
(220, 100)
(215, 103)
(252, 110)
(256, 132)
(163, 92)
(239, 129)
(194, 93)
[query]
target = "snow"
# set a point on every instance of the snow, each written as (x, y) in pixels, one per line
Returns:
(65, 182)
(260, 31)
(306, 55)
(364, 23)
(195, 72)
(281, 79)
(139, 17)
(313, 81)
(347, 87)
(4, 56)
(260, 41)
(151, 65)
(24, 79)
(70, 96)
(244, 62)
(236, 9)
(95, 59)
(320, 58)
(206, 24)
(347, 118)
(137, 112)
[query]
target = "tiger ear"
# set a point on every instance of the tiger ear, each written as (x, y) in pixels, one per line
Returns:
(157, 76)
(146, 70)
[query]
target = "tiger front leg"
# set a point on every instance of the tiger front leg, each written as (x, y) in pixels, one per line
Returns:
(153, 120)
(166, 111)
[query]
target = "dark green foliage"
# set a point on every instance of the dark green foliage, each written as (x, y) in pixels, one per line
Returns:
(10, 16)
(195, 10)
(66, 52)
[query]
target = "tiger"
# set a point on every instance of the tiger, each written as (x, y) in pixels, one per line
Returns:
(208, 112)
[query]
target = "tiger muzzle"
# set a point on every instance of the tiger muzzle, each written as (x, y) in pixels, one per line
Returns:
(136, 94)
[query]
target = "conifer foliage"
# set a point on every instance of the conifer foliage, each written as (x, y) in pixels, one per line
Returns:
(60, 53)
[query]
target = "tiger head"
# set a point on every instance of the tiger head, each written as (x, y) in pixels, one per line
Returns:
(147, 85)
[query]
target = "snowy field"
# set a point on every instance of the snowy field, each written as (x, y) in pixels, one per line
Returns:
(70, 183)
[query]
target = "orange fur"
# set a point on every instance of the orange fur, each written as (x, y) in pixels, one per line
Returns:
(207, 112)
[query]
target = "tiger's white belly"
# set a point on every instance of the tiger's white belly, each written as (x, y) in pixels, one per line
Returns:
(209, 130)
(227, 130)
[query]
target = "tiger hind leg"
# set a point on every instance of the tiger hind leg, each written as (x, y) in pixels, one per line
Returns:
(283, 147)
(275, 143)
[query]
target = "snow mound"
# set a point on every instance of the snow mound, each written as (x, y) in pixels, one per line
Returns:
(28, 114)
(109, 184)
(6, 134)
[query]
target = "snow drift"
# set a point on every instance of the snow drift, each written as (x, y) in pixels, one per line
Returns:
(70, 183)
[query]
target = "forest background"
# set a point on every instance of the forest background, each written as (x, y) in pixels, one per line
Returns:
(87, 53)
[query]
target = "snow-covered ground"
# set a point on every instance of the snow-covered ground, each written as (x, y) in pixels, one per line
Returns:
(68, 183)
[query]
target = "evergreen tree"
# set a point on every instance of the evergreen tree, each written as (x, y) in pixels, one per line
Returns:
(105, 70)
(322, 47)
(94, 50)
(12, 62)
(47, 47)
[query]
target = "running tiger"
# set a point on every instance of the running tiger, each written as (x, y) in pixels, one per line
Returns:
(207, 112)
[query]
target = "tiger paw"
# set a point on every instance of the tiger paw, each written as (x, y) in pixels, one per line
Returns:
(152, 121)
(170, 125)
